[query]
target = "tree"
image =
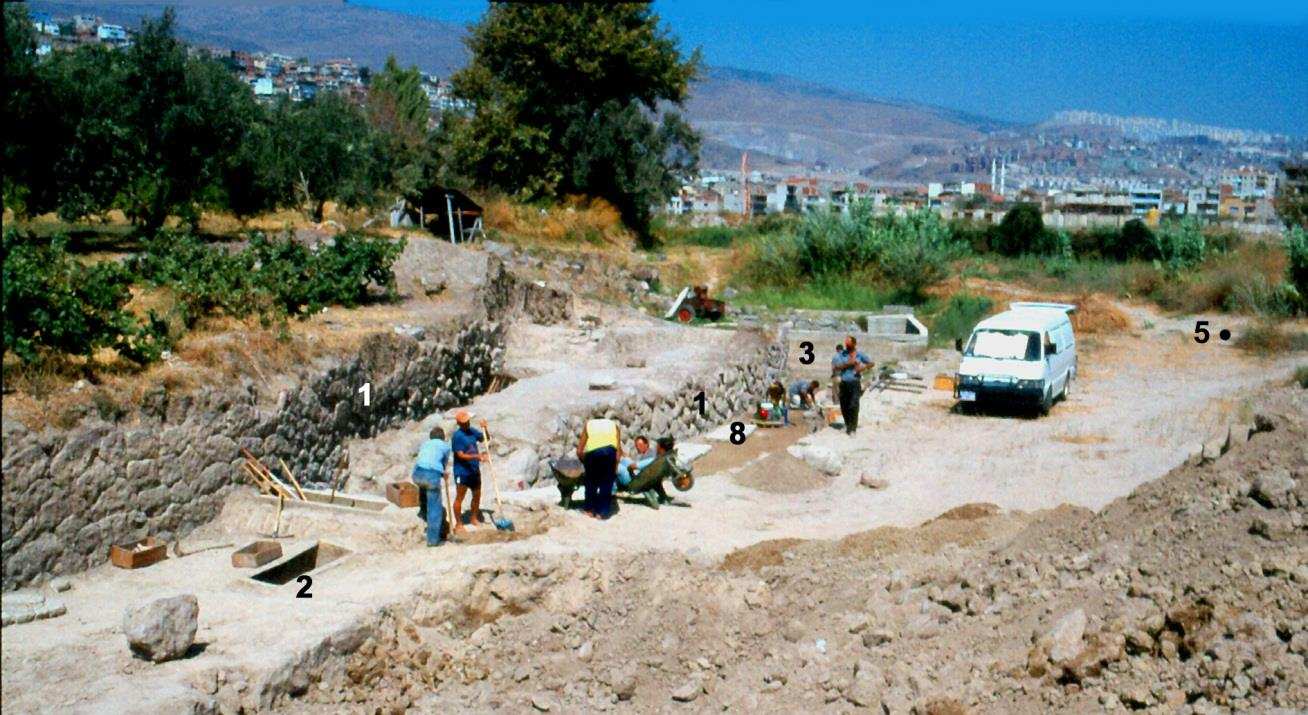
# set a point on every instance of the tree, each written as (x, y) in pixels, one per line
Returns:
(565, 97)
(1021, 231)
(20, 79)
(329, 153)
(397, 110)
(1292, 198)
(183, 116)
(147, 129)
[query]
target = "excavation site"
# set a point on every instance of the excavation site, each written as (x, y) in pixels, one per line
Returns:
(1141, 546)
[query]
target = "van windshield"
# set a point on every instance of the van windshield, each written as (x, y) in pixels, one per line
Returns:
(1004, 345)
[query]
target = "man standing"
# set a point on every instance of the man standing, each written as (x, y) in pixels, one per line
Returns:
(467, 465)
(600, 449)
(428, 473)
(850, 364)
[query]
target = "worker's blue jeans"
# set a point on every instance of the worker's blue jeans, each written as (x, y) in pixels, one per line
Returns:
(431, 496)
(601, 472)
(430, 506)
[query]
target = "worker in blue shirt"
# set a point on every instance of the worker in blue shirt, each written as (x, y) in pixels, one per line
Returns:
(849, 365)
(628, 468)
(428, 471)
(467, 465)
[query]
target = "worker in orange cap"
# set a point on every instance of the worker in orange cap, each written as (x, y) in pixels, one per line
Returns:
(467, 465)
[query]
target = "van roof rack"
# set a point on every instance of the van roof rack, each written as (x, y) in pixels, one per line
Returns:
(1029, 305)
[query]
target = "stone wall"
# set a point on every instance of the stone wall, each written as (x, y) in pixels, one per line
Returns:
(166, 468)
(730, 391)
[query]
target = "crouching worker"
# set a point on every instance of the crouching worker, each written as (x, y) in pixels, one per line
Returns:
(648, 481)
(628, 467)
(428, 473)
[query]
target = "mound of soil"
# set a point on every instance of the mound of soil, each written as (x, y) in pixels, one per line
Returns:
(780, 473)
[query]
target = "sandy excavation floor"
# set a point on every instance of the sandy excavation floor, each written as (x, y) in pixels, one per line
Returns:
(1142, 401)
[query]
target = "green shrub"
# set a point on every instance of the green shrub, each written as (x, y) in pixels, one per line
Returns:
(52, 302)
(1022, 231)
(270, 278)
(958, 317)
(1179, 245)
(1301, 376)
(1296, 249)
(907, 253)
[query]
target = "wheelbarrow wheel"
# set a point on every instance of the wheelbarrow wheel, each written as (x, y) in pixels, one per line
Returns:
(685, 315)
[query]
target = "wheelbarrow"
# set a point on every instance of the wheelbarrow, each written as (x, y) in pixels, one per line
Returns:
(568, 473)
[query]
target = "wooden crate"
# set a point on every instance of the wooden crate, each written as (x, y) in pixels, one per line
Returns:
(256, 553)
(402, 494)
(138, 554)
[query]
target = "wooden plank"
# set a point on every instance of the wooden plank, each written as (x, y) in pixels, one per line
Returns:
(291, 477)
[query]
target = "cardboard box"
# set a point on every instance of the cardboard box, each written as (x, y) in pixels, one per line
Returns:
(256, 553)
(402, 494)
(138, 554)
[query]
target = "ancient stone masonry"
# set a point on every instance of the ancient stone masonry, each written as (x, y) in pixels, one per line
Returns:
(729, 391)
(69, 494)
(406, 380)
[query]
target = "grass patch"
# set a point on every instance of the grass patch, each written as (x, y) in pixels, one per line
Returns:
(830, 294)
(957, 317)
(1301, 376)
(1267, 339)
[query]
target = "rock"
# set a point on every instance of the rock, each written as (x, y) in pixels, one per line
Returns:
(1214, 448)
(602, 382)
(723, 433)
(687, 692)
(542, 702)
(163, 629)
(876, 637)
(872, 482)
(822, 459)
(865, 689)
(688, 452)
(1273, 489)
(623, 683)
(61, 584)
(416, 332)
(586, 650)
(1063, 641)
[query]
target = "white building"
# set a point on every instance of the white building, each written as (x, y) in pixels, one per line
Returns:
(111, 33)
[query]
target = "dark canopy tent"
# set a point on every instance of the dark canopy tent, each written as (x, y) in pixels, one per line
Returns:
(448, 212)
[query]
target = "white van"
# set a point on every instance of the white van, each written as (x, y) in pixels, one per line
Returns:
(1025, 355)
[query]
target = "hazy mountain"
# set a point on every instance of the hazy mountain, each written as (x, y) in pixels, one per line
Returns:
(782, 121)
(318, 29)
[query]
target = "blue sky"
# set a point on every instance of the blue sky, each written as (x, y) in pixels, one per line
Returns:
(1234, 64)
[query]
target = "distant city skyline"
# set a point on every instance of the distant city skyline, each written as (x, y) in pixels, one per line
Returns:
(1225, 64)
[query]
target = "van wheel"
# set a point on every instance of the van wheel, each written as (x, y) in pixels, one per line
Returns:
(1067, 389)
(1045, 403)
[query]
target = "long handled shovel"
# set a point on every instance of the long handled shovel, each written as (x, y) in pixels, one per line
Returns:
(501, 522)
(449, 511)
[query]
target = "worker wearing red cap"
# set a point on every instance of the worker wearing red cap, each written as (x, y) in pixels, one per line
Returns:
(467, 465)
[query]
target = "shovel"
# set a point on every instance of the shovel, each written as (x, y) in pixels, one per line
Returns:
(449, 513)
(501, 523)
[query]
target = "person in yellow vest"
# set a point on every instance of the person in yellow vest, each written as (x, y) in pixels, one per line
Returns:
(599, 449)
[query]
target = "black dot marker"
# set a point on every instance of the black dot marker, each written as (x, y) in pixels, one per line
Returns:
(1224, 334)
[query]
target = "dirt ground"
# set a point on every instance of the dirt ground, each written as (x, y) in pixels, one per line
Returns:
(1008, 564)
(1186, 596)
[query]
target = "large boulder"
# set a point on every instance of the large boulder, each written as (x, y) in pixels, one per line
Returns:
(823, 459)
(163, 629)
